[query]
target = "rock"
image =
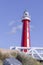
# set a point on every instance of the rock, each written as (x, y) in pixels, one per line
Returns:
(11, 61)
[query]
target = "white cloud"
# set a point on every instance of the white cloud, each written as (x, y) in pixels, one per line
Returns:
(19, 27)
(31, 27)
(11, 23)
(14, 29)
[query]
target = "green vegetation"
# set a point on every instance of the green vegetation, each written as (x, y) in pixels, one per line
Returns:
(22, 57)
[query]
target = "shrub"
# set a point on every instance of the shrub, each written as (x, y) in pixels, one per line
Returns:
(26, 60)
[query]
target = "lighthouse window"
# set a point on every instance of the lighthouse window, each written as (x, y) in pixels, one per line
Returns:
(25, 13)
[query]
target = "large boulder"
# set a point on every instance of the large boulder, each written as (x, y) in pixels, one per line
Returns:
(11, 61)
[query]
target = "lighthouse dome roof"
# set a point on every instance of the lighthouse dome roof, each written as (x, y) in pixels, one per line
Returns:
(26, 15)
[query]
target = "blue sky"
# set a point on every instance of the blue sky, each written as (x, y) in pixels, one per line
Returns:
(11, 12)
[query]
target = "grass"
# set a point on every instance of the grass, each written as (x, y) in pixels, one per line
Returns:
(27, 60)
(22, 57)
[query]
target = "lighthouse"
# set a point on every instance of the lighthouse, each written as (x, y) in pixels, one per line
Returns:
(26, 30)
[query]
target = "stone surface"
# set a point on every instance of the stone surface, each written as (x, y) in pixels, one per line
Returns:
(11, 61)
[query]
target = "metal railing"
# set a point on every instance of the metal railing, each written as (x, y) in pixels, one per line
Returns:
(35, 52)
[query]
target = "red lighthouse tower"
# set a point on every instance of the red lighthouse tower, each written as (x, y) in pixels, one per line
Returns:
(26, 30)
